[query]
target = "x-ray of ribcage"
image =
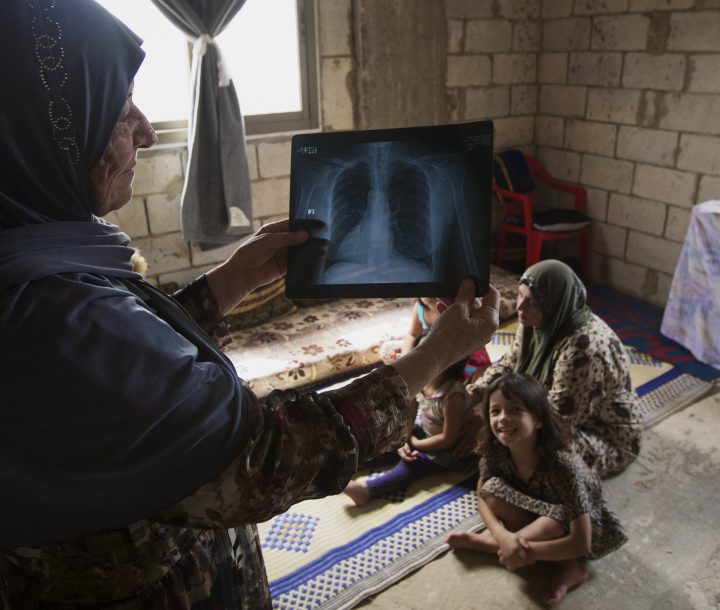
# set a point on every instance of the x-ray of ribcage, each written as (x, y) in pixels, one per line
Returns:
(349, 205)
(386, 216)
(409, 203)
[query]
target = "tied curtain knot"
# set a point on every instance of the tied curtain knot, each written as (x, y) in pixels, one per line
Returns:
(217, 176)
(200, 48)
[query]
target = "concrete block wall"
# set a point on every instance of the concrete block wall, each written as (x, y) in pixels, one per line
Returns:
(629, 106)
(622, 96)
(152, 218)
(492, 66)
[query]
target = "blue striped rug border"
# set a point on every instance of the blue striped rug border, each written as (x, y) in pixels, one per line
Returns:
(291, 581)
(660, 380)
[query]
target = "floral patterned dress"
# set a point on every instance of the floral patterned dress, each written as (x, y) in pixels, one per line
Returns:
(591, 392)
(561, 486)
(203, 552)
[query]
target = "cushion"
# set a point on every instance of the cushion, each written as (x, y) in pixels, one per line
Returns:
(559, 220)
(553, 220)
(512, 172)
(261, 305)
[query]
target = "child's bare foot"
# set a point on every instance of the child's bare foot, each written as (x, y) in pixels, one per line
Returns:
(358, 492)
(482, 542)
(570, 575)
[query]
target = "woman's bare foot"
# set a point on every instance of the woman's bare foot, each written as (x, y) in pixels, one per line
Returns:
(482, 542)
(358, 492)
(569, 575)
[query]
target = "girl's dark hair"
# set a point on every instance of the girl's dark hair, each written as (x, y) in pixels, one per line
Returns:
(532, 394)
(454, 371)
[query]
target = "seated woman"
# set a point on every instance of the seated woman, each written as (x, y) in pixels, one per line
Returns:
(581, 362)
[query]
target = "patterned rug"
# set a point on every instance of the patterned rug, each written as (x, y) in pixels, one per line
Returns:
(637, 323)
(329, 342)
(329, 554)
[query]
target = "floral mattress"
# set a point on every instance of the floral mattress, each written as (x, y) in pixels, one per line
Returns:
(318, 345)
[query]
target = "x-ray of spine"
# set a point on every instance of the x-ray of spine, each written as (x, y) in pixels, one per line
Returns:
(385, 216)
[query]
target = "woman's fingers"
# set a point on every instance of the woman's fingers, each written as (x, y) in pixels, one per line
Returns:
(492, 299)
(466, 294)
(466, 298)
(467, 325)
(277, 241)
(279, 226)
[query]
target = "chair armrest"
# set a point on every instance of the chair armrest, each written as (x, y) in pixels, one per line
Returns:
(579, 192)
(521, 198)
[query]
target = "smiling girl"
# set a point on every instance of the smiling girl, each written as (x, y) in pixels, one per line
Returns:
(538, 500)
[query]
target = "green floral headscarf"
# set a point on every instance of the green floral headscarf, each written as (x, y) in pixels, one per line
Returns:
(562, 298)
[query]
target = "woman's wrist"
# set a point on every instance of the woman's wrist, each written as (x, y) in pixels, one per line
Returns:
(198, 299)
(227, 286)
(418, 367)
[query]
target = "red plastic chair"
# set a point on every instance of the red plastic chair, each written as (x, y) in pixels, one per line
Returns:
(521, 217)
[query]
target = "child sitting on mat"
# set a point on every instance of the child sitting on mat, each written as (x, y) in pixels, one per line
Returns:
(538, 501)
(424, 315)
(442, 407)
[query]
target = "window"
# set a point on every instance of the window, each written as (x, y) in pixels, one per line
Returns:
(269, 50)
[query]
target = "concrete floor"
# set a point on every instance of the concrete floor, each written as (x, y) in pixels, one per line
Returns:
(668, 501)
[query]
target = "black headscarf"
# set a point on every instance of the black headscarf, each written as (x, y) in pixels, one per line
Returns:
(114, 403)
(66, 70)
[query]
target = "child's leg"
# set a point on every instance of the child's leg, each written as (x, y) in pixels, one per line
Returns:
(358, 492)
(401, 476)
(512, 518)
(542, 528)
(397, 478)
(569, 575)
(482, 542)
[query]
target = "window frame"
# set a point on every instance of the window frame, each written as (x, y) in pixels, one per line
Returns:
(173, 132)
(308, 117)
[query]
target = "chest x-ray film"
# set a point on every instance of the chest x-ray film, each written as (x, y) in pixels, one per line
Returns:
(391, 213)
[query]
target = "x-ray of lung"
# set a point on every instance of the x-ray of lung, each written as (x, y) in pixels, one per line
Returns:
(391, 212)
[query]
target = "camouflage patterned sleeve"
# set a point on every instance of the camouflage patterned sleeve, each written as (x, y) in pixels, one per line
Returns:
(300, 445)
(199, 301)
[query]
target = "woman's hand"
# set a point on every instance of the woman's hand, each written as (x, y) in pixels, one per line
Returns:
(258, 261)
(468, 324)
(464, 327)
